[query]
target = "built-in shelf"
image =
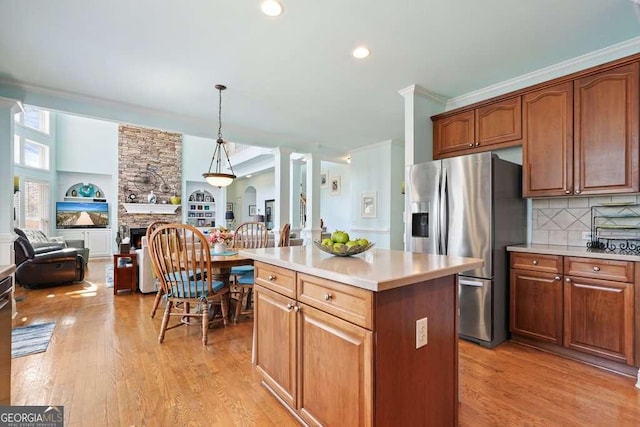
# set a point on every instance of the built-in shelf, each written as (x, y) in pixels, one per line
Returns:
(150, 208)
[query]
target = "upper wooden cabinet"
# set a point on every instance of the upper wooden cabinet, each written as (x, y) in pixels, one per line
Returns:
(478, 130)
(581, 137)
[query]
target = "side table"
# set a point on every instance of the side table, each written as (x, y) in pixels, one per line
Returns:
(125, 269)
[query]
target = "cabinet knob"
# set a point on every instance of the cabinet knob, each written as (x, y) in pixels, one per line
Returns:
(471, 144)
(596, 268)
(290, 306)
(534, 262)
(567, 191)
(577, 191)
(568, 280)
(477, 144)
(272, 277)
(297, 309)
(327, 296)
(557, 278)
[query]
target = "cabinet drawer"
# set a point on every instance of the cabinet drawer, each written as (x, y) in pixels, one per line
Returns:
(619, 271)
(349, 303)
(277, 279)
(536, 262)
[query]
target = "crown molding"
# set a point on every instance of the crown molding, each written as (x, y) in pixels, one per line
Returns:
(579, 63)
(425, 93)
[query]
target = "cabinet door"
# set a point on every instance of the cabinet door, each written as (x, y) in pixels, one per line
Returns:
(98, 242)
(547, 152)
(275, 342)
(454, 133)
(499, 122)
(599, 318)
(335, 372)
(606, 132)
(536, 305)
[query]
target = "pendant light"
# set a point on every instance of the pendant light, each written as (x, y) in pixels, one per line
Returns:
(218, 178)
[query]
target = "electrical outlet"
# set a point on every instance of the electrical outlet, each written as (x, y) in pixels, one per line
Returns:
(586, 235)
(421, 332)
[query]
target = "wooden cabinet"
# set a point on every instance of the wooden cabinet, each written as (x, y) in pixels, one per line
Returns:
(322, 387)
(581, 137)
(582, 304)
(491, 126)
(321, 354)
(536, 305)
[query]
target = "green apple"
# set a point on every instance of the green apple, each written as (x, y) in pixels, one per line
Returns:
(327, 242)
(363, 242)
(339, 248)
(340, 236)
(351, 243)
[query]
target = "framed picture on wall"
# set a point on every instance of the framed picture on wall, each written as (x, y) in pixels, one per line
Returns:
(252, 210)
(368, 205)
(229, 206)
(324, 180)
(335, 185)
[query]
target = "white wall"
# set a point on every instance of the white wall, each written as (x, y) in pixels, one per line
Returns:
(335, 209)
(86, 145)
(264, 184)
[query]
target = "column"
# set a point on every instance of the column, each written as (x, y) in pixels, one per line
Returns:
(312, 230)
(282, 190)
(296, 189)
(419, 105)
(8, 107)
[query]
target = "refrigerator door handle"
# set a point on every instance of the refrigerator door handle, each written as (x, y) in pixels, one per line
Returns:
(464, 282)
(444, 214)
(438, 220)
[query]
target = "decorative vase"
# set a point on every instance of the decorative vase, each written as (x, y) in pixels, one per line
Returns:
(219, 248)
(175, 200)
(151, 198)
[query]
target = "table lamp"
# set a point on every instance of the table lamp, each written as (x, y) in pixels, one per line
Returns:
(228, 215)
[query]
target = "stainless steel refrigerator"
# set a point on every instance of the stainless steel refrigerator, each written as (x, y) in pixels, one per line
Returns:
(470, 206)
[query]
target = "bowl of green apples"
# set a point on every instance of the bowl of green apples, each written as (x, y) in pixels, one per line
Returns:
(339, 244)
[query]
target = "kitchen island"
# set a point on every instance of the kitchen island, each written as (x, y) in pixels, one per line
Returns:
(359, 341)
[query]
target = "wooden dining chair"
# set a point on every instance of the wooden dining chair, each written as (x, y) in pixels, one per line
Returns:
(248, 235)
(285, 233)
(150, 229)
(181, 255)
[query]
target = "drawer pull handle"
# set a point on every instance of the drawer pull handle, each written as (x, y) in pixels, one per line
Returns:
(557, 278)
(596, 268)
(328, 296)
(272, 277)
(534, 262)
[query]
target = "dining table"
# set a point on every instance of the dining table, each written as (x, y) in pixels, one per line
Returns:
(221, 264)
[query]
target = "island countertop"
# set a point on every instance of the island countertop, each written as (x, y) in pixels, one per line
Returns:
(376, 270)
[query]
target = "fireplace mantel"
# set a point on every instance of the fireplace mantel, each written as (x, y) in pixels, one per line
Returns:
(150, 208)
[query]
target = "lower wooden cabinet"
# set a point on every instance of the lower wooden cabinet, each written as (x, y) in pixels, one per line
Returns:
(536, 305)
(599, 318)
(336, 370)
(583, 311)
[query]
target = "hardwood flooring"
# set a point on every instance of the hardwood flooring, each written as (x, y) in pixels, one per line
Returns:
(105, 366)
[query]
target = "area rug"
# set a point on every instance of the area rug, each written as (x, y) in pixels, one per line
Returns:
(31, 339)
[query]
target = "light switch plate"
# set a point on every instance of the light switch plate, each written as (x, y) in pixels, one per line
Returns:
(422, 332)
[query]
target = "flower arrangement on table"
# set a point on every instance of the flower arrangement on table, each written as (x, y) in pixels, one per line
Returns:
(221, 235)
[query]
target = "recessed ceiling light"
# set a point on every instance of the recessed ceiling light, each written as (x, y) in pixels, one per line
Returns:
(361, 52)
(272, 7)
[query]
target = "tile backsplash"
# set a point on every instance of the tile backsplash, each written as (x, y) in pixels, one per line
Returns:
(563, 221)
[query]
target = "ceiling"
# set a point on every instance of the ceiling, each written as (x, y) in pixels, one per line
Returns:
(292, 80)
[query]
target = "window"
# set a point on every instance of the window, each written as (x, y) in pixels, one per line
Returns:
(36, 206)
(36, 155)
(34, 118)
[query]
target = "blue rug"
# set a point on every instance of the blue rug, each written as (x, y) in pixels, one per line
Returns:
(31, 339)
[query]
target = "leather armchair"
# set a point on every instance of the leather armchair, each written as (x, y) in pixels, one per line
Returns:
(46, 265)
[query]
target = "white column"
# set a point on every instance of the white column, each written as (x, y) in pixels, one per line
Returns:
(8, 107)
(282, 190)
(419, 105)
(294, 207)
(312, 230)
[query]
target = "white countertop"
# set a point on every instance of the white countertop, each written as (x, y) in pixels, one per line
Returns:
(571, 251)
(375, 270)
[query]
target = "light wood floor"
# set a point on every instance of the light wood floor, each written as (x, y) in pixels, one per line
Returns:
(105, 366)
